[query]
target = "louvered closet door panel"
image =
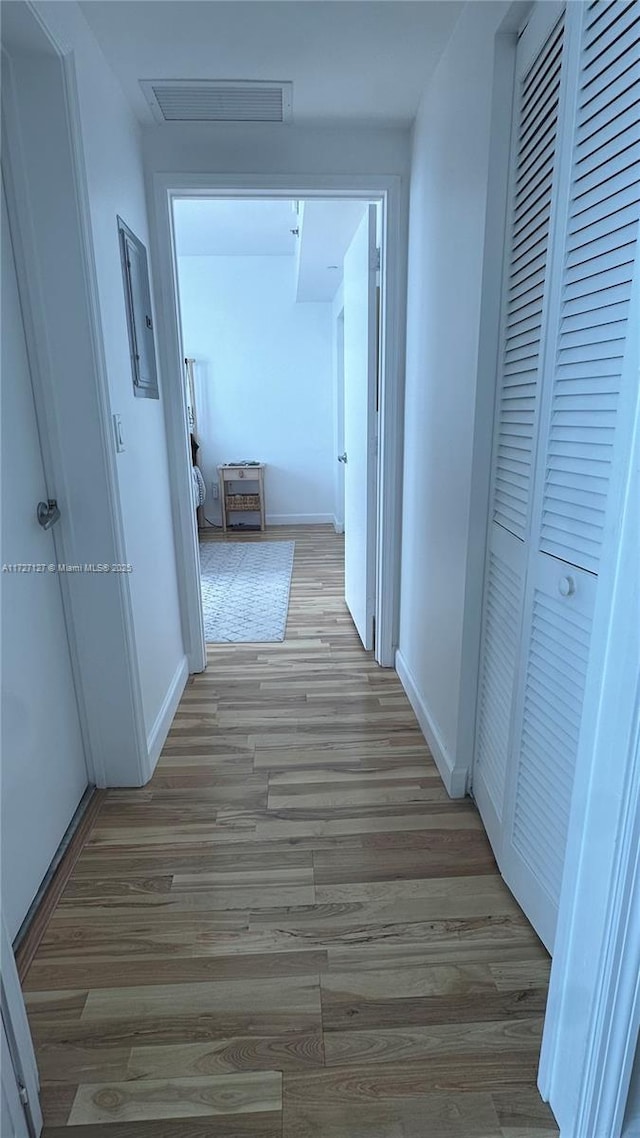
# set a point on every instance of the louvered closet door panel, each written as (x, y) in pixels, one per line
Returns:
(590, 321)
(557, 626)
(501, 638)
(533, 163)
(601, 246)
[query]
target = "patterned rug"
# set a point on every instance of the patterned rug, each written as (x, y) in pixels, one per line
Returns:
(245, 590)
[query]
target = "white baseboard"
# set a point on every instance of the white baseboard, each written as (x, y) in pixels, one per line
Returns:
(455, 781)
(164, 718)
(337, 525)
(299, 519)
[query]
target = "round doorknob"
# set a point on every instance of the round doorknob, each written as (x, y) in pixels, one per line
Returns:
(566, 586)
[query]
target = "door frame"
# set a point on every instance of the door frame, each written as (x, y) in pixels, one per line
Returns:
(338, 335)
(361, 331)
(383, 189)
(494, 256)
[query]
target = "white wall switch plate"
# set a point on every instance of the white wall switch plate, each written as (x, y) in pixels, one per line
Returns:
(117, 431)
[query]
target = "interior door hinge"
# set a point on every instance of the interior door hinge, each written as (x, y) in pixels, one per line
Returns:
(23, 1094)
(378, 260)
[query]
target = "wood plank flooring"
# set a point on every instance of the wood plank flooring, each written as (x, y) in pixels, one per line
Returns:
(291, 932)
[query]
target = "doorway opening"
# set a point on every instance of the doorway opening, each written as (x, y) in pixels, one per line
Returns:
(262, 285)
(280, 310)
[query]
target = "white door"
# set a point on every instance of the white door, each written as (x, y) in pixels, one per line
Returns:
(536, 99)
(561, 401)
(585, 390)
(43, 769)
(360, 425)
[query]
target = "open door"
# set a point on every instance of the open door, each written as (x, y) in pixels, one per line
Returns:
(360, 425)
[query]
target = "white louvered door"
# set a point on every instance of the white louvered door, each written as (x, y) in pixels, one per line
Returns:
(583, 394)
(536, 97)
(535, 654)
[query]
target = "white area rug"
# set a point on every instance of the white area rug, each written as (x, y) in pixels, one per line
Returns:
(245, 590)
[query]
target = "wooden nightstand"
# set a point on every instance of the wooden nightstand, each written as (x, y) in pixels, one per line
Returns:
(242, 491)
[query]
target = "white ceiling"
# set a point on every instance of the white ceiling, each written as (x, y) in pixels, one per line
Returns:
(365, 60)
(223, 228)
(215, 227)
(326, 230)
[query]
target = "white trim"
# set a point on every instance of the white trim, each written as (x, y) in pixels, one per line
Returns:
(337, 320)
(538, 27)
(158, 733)
(385, 188)
(172, 354)
(495, 242)
(613, 1039)
(300, 519)
(393, 327)
(454, 780)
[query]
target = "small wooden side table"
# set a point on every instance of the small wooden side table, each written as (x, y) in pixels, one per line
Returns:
(246, 498)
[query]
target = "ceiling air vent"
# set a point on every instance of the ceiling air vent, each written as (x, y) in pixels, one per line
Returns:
(217, 100)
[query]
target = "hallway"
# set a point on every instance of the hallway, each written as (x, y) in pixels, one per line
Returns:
(292, 931)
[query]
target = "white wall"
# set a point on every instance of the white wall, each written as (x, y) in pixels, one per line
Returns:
(448, 199)
(112, 152)
(263, 375)
(268, 148)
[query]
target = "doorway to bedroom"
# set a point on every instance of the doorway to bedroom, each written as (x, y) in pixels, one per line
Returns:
(279, 303)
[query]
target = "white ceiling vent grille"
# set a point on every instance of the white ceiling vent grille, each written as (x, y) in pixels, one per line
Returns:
(216, 100)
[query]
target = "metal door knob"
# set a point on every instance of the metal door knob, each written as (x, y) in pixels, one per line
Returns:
(342, 457)
(566, 586)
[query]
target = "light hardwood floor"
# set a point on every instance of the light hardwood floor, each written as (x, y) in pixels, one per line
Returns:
(291, 932)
